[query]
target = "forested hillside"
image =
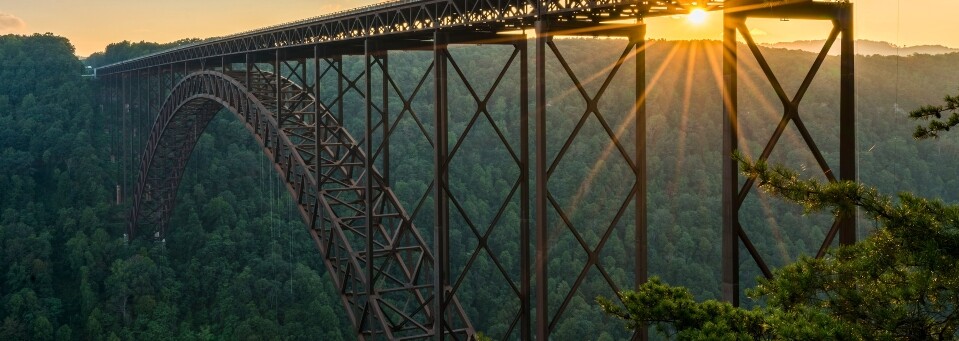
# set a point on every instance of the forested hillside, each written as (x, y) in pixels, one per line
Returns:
(238, 263)
(233, 270)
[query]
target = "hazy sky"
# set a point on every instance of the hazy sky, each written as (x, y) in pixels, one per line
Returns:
(92, 24)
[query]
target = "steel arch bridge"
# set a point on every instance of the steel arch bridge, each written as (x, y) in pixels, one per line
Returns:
(289, 84)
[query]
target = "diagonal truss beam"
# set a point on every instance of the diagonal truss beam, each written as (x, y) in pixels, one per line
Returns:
(547, 320)
(734, 195)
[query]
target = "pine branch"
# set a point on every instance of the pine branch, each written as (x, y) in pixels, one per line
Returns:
(922, 224)
(674, 308)
(934, 114)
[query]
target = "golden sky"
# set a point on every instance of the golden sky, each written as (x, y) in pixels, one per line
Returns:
(92, 24)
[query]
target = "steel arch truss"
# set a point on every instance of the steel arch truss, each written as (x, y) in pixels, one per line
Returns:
(381, 266)
(734, 195)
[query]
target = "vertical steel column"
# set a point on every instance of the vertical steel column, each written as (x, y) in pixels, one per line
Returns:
(730, 237)
(134, 123)
(132, 127)
(638, 39)
(642, 253)
(125, 107)
(368, 176)
(385, 116)
(157, 99)
(144, 112)
(339, 87)
(302, 75)
(525, 275)
(277, 154)
(539, 140)
(316, 89)
(143, 87)
(159, 94)
(318, 137)
(847, 116)
(117, 108)
(137, 121)
(149, 109)
(151, 99)
(539, 205)
(114, 137)
(440, 176)
(278, 79)
(247, 72)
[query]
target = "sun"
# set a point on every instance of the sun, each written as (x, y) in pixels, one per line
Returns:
(697, 16)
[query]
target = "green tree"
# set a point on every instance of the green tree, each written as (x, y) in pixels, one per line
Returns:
(933, 113)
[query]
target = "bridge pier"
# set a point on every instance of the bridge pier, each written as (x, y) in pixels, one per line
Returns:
(441, 232)
(449, 282)
(540, 204)
(735, 17)
(635, 49)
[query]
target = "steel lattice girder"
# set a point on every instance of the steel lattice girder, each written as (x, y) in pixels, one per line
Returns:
(412, 17)
(545, 202)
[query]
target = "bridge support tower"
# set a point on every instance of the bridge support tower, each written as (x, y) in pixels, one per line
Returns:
(736, 14)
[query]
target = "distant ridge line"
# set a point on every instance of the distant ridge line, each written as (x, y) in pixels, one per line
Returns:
(866, 48)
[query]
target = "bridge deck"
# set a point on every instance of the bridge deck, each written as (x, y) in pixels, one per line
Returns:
(412, 18)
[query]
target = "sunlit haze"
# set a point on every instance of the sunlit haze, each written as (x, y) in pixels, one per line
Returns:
(93, 24)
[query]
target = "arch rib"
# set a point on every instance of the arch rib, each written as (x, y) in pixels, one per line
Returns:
(398, 306)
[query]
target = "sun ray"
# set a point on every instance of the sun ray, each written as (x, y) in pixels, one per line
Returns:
(691, 58)
(591, 78)
(773, 224)
(713, 53)
(713, 56)
(772, 112)
(626, 123)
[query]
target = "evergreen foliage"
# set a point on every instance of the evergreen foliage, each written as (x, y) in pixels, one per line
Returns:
(933, 113)
(239, 267)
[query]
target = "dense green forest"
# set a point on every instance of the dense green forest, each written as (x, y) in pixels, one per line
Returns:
(233, 271)
(238, 263)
